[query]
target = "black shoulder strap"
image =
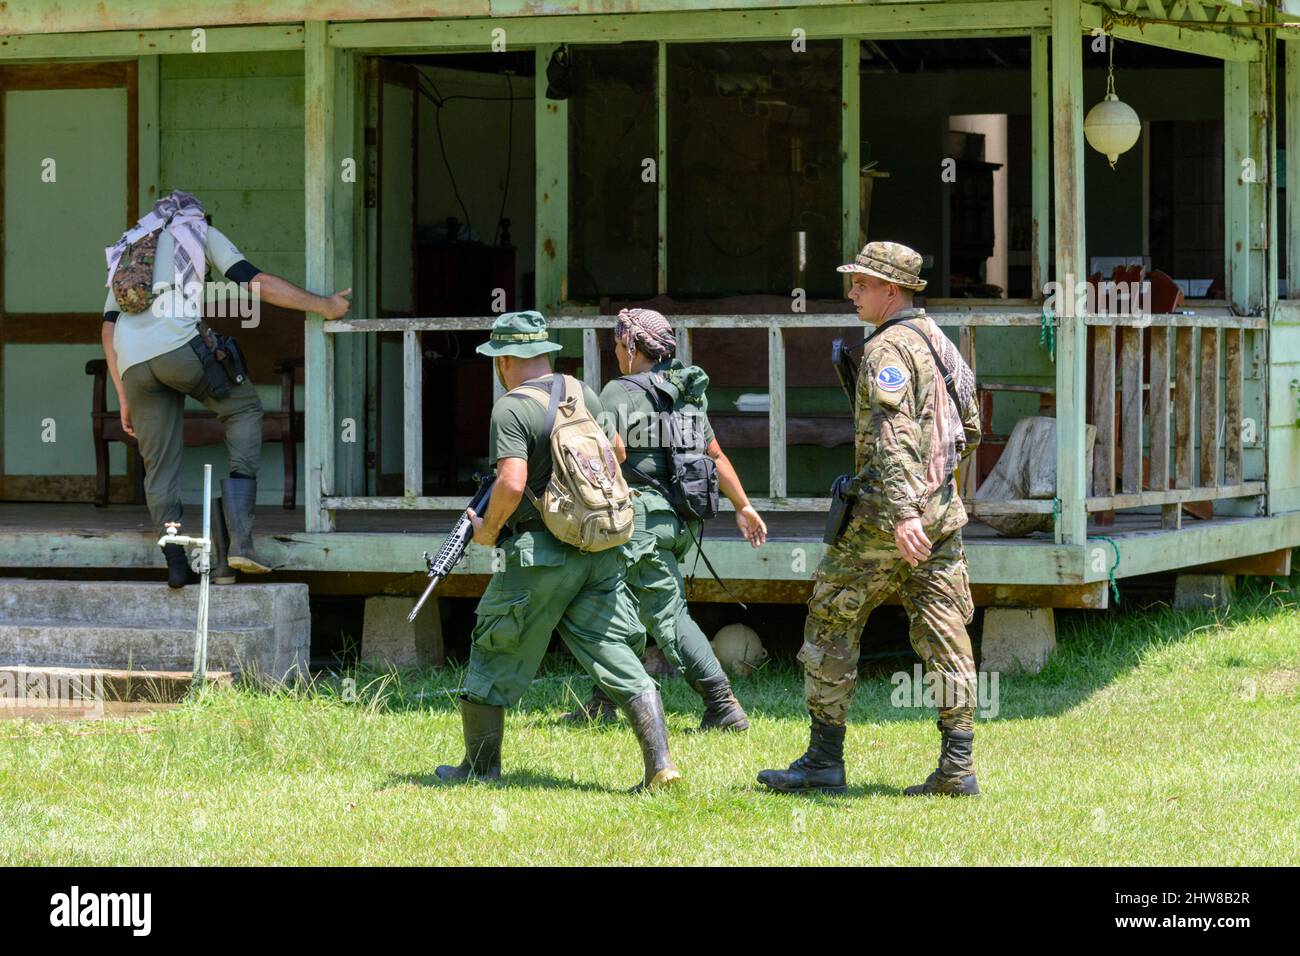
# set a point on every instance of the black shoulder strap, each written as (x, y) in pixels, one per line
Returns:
(948, 380)
(642, 381)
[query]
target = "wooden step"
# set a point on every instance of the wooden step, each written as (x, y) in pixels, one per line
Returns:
(28, 687)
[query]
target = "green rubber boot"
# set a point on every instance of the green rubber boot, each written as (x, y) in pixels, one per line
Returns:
(483, 726)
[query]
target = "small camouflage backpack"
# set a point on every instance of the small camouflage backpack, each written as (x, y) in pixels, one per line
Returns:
(133, 279)
(587, 503)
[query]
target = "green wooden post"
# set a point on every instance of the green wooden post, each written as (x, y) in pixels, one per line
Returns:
(1261, 111)
(850, 148)
(150, 150)
(1291, 90)
(1237, 153)
(552, 198)
(1071, 265)
(349, 350)
(318, 204)
(1040, 126)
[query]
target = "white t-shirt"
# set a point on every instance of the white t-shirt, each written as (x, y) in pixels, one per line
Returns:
(165, 325)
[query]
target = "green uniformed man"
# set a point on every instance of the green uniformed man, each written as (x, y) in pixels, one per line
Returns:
(545, 585)
(904, 533)
(645, 349)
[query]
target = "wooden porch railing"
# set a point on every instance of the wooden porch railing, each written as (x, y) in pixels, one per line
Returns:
(1193, 358)
(776, 327)
(1173, 399)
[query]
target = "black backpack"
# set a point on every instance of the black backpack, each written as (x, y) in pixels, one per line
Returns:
(692, 483)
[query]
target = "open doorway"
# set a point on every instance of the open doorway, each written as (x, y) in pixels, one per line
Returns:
(454, 224)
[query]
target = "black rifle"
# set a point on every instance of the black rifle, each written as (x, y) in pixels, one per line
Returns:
(846, 368)
(454, 547)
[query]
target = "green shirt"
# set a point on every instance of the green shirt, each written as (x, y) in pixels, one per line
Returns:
(517, 431)
(629, 413)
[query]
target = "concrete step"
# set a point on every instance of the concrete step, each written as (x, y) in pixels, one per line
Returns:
(49, 644)
(135, 603)
(262, 631)
(31, 688)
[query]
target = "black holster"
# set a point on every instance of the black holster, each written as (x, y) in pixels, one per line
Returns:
(844, 495)
(223, 363)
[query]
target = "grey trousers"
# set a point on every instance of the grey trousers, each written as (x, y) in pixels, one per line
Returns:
(155, 394)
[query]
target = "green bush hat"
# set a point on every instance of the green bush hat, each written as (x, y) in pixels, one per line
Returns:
(891, 261)
(521, 334)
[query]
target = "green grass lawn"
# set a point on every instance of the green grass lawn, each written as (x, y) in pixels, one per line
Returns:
(1151, 738)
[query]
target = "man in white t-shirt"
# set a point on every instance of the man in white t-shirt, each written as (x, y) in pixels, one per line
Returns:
(154, 361)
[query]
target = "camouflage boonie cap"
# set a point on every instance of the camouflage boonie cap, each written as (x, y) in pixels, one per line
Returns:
(891, 261)
(521, 334)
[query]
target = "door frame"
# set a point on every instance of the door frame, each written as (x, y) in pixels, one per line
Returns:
(62, 328)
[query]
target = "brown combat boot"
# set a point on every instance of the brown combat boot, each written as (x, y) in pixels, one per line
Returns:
(483, 727)
(955, 775)
(721, 709)
(645, 713)
(598, 709)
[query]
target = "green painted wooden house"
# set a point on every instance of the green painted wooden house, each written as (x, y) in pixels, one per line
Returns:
(717, 158)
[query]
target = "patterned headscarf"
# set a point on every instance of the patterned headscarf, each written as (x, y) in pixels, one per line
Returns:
(647, 331)
(183, 214)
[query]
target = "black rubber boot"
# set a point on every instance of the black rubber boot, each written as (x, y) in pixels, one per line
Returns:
(598, 709)
(178, 566)
(721, 709)
(222, 572)
(821, 768)
(955, 775)
(483, 727)
(645, 713)
(238, 497)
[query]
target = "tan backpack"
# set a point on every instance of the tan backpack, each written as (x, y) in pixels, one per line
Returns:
(587, 503)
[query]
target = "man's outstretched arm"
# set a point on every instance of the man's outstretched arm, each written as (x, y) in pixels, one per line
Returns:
(277, 291)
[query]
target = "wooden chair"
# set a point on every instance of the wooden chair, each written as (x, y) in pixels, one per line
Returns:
(283, 425)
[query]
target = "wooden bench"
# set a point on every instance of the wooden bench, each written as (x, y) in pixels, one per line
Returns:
(283, 425)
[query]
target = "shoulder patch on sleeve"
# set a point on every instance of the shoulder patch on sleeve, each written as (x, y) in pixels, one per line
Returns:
(891, 378)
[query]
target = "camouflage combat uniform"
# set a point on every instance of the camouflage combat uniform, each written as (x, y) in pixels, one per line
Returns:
(909, 438)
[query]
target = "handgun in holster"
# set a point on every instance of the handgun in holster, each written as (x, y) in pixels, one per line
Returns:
(844, 495)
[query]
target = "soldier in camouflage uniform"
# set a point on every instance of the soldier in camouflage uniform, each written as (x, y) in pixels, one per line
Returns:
(904, 533)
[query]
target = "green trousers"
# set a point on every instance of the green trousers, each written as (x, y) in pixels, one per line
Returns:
(155, 393)
(547, 586)
(662, 540)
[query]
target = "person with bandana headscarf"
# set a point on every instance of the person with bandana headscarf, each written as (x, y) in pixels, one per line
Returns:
(150, 345)
(645, 346)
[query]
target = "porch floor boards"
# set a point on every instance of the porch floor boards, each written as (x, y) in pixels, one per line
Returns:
(86, 519)
(383, 547)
